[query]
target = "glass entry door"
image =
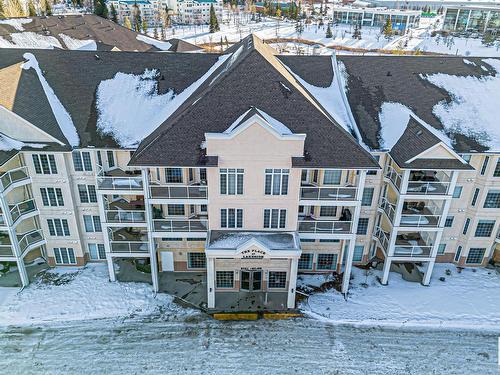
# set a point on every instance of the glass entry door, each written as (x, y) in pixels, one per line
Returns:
(251, 281)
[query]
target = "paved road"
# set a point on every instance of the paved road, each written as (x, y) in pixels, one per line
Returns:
(197, 345)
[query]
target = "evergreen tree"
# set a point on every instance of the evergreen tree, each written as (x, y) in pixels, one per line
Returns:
(31, 9)
(2, 10)
(214, 24)
(48, 8)
(329, 34)
(114, 13)
(488, 39)
(144, 26)
(100, 8)
(387, 29)
(162, 32)
(127, 23)
(155, 32)
(137, 22)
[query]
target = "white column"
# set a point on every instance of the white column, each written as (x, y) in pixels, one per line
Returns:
(111, 267)
(404, 181)
(151, 243)
(292, 283)
(105, 234)
(211, 283)
(348, 265)
(387, 268)
(428, 272)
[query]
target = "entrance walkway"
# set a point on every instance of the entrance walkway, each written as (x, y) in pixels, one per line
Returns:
(250, 301)
(190, 287)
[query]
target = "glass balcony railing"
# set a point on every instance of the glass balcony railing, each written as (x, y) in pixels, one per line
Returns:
(419, 220)
(119, 183)
(13, 176)
(412, 250)
(6, 250)
(428, 187)
(328, 193)
(325, 226)
(383, 237)
(30, 238)
(394, 176)
(179, 192)
(180, 225)
(129, 246)
(122, 216)
(389, 209)
(22, 208)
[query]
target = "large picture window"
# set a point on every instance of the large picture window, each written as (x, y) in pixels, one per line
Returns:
(276, 181)
(475, 256)
(197, 260)
(173, 175)
(224, 279)
(52, 197)
(231, 218)
(327, 261)
(64, 255)
(332, 177)
(277, 279)
(44, 164)
(274, 218)
(58, 227)
(231, 181)
(82, 161)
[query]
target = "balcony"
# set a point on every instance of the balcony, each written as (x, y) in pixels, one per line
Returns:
(129, 247)
(412, 245)
(382, 237)
(325, 226)
(6, 248)
(324, 193)
(414, 214)
(391, 174)
(388, 208)
(179, 192)
(30, 240)
(428, 183)
(121, 211)
(21, 209)
(180, 225)
(117, 179)
(16, 175)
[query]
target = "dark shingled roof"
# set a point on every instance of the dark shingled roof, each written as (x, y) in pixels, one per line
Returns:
(252, 77)
(179, 45)
(415, 140)
(105, 33)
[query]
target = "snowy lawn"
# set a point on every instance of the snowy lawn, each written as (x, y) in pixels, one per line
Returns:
(64, 294)
(466, 300)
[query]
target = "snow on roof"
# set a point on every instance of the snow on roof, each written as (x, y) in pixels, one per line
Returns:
(394, 118)
(231, 61)
(469, 62)
(271, 240)
(8, 144)
(130, 108)
(473, 110)
(278, 126)
(30, 39)
(16, 23)
(164, 46)
(62, 116)
(77, 44)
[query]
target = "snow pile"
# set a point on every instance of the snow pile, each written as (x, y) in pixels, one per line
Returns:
(87, 295)
(7, 144)
(130, 108)
(465, 300)
(164, 46)
(468, 62)
(394, 118)
(473, 110)
(29, 39)
(62, 116)
(16, 23)
(77, 44)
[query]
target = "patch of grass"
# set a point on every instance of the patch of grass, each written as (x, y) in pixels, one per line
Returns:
(146, 268)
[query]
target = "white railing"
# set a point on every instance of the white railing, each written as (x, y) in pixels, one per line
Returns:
(388, 208)
(180, 225)
(428, 187)
(412, 250)
(179, 192)
(129, 246)
(2, 220)
(328, 193)
(122, 216)
(382, 237)
(22, 208)
(324, 226)
(410, 220)
(117, 183)
(394, 176)
(12, 176)
(6, 250)
(30, 238)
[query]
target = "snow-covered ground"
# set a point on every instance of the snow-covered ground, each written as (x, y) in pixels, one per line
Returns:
(67, 294)
(465, 300)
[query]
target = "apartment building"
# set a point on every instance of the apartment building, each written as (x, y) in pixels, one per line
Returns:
(197, 11)
(259, 168)
(150, 10)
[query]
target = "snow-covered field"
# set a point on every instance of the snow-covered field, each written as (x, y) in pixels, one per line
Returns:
(82, 293)
(465, 300)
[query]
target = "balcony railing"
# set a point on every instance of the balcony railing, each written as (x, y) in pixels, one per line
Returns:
(10, 177)
(325, 227)
(6, 250)
(179, 192)
(129, 247)
(30, 238)
(22, 208)
(2, 220)
(388, 208)
(119, 183)
(394, 176)
(382, 237)
(420, 220)
(428, 187)
(122, 216)
(179, 225)
(328, 193)
(412, 250)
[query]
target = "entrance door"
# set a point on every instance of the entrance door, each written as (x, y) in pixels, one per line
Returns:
(167, 261)
(251, 280)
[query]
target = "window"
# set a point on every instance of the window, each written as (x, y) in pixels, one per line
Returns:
(276, 181)
(362, 225)
(496, 172)
(82, 161)
(327, 261)
(64, 255)
(331, 177)
(44, 164)
(358, 253)
(476, 255)
(474, 197)
(52, 197)
(305, 261)
(274, 218)
(231, 218)
(171, 239)
(492, 199)
(87, 194)
(58, 227)
(367, 198)
(175, 209)
(99, 158)
(173, 175)
(441, 248)
(484, 228)
(466, 226)
(277, 279)
(373, 172)
(449, 221)
(111, 159)
(97, 251)
(197, 260)
(485, 165)
(224, 279)
(203, 174)
(190, 174)
(458, 253)
(231, 181)
(307, 240)
(328, 240)
(457, 192)
(92, 223)
(328, 211)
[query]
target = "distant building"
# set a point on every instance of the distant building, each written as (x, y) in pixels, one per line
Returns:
(150, 9)
(401, 19)
(432, 5)
(197, 11)
(472, 19)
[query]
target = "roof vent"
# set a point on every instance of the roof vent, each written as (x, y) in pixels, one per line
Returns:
(97, 57)
(162, 78)
(419, 132)
(389, 74)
